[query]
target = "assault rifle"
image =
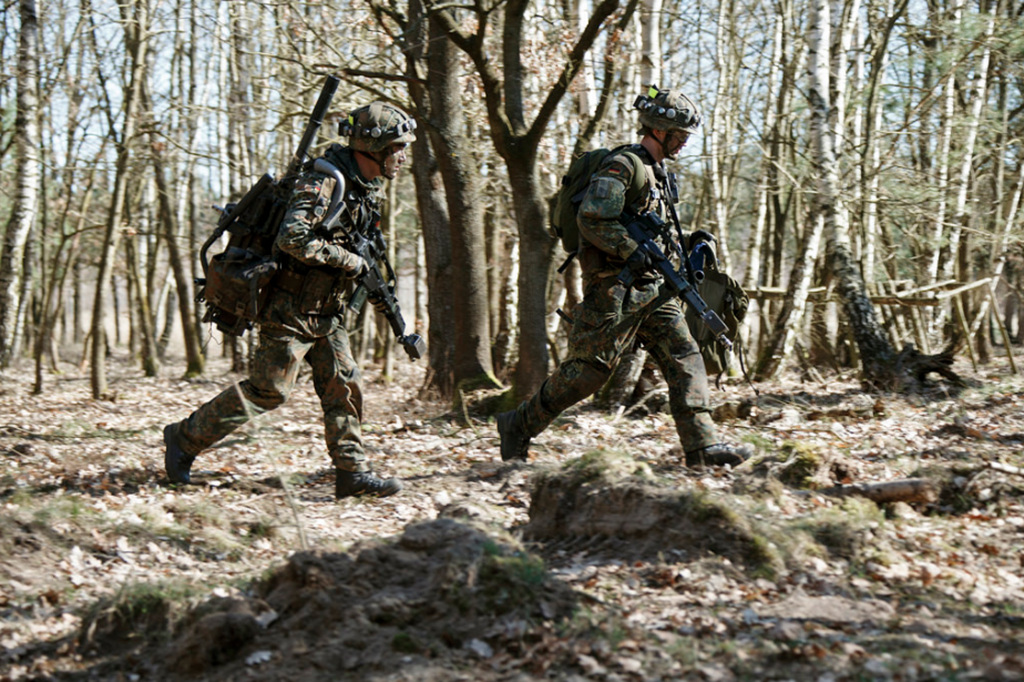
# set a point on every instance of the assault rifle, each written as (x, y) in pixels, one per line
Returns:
(379, 287)
(367, 241)
(644, 229)
(235, 282)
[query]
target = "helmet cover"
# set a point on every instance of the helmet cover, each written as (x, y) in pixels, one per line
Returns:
(376, 126)
(668, 110)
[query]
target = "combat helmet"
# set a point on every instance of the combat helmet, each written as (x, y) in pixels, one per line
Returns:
(668, 110)
(376, 126)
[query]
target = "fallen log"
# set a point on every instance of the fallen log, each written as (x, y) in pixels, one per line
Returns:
(904, 490)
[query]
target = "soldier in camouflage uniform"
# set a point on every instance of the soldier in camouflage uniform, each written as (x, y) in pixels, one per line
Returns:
(612, 317)
(303, 316)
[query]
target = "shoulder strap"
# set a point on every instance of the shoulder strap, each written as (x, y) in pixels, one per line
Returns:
(334, 212)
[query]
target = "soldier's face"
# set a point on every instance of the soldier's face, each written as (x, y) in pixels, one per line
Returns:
(674, 141)
(393, 160)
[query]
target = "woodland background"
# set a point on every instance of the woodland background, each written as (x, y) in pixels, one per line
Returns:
(860, 163)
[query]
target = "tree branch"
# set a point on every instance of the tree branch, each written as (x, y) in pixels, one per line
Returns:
(575, 61)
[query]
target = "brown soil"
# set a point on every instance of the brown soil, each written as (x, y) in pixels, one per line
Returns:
(602, 558)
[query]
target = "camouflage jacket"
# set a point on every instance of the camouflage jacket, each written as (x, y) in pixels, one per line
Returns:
(312, 287)
(604, 243)
(299, 235)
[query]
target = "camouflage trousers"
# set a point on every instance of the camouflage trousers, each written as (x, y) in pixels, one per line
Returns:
(605, 325)
(274, 371)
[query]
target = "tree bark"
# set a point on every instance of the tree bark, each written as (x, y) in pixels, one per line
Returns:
(26, 203)
(136, 26)
(150, 364)
(433, 214)
(472, 367)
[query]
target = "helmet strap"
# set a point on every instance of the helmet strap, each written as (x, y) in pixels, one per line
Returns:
(373, 157)
(664, 144)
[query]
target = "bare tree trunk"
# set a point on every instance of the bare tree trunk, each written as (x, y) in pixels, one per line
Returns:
(780, 343)
(946, 136)
(473, 368)
(150, 364)
(136, 24)
(978, 99)
(722, 125)
(24, 215)
(508, 321)
(650, 37)
(193, 351)
(875, 351)
(433, 214)
(53, 305)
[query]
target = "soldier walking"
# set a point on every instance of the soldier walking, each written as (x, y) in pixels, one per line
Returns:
(302, 318)
(612, 315)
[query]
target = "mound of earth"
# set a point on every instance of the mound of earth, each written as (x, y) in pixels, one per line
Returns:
(606, 499)
(416, 604)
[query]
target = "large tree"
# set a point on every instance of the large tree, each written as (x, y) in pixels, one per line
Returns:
(517, 140)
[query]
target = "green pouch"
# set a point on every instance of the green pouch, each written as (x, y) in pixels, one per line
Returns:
(316, 296)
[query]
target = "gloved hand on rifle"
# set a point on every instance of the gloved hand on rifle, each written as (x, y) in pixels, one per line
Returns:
(355, 266)
(379, 304)
(639, 262)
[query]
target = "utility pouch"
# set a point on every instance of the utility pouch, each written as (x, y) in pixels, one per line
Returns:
(316, 296)
(236, 288)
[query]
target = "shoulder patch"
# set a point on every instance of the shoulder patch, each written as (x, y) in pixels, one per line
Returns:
(616, 169)
(308, 185)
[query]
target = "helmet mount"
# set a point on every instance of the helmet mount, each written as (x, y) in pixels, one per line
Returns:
(668, 110)
(376, 126)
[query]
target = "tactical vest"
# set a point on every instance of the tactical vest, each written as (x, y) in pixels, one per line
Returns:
(323, 290)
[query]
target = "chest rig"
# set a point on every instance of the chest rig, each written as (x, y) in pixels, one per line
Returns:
(346, 204)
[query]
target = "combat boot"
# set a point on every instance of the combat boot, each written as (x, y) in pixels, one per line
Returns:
(718, 455)
(514, 441)
(355, 483)
(177, 462)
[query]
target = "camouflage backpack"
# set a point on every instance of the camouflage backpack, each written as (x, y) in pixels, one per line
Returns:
(574, 185)
(726, 297)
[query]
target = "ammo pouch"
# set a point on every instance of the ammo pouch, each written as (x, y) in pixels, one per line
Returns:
(236, 284)
(316, 292)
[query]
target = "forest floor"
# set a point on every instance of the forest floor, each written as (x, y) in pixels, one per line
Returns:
(601, 558)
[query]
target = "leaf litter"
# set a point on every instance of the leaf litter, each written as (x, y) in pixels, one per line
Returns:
(257, 573)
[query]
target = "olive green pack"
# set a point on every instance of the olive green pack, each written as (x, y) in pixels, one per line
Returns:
(725, 296)
(574, 185)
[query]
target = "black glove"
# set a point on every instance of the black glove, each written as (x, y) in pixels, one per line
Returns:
(698, 237)
(639, 262)
(379, 304)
